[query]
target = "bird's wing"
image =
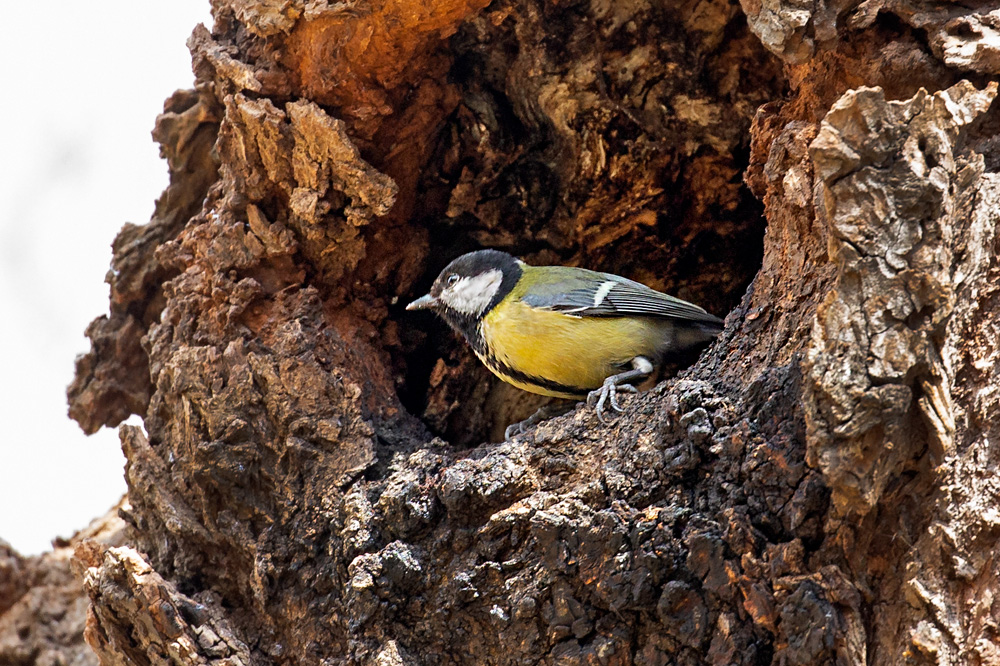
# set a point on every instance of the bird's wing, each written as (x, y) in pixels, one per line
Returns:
(614, 296)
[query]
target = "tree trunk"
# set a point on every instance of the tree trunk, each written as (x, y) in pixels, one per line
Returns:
(313, 485)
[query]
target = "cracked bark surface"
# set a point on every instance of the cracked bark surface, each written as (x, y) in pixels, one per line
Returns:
(43, 608)
(316, 481)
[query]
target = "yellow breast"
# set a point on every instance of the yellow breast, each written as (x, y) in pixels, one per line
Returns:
(572, 355)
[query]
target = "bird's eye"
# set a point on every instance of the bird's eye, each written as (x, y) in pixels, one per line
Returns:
(452, 279)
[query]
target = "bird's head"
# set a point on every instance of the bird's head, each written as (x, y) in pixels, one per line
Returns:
(470, 286)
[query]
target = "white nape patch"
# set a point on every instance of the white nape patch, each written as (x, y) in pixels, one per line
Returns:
(603, 291)
(471, 295)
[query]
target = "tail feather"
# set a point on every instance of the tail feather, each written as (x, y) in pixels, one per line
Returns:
(688, 334)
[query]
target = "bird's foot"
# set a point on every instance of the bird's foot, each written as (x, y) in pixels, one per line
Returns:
(515, 429)
(608, 394)
(543, 413)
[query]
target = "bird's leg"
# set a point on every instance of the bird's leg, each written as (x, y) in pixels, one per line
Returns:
(608, 393)
(543, 412)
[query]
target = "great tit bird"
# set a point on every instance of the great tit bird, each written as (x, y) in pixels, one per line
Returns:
(562, 331)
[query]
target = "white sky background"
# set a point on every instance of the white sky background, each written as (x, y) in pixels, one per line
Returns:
(81, 86)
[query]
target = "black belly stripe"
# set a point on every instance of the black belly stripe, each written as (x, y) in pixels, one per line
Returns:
(473, 332)
(502, 368)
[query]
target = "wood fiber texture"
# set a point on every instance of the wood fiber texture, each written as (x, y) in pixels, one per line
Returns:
(315, 482)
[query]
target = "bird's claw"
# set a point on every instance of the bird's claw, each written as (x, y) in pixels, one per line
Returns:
(608, 393)
(513, 430)
(544, 412)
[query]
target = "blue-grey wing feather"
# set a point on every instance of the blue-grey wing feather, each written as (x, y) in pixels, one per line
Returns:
(601, 298)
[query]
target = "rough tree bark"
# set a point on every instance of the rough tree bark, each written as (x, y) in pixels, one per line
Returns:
(315, 483)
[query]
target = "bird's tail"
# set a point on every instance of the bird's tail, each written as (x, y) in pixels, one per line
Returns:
(695, 332)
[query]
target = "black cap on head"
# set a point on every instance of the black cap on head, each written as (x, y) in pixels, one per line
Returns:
(476, 263)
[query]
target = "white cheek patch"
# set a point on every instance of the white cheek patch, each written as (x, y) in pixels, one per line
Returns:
(471, 295)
